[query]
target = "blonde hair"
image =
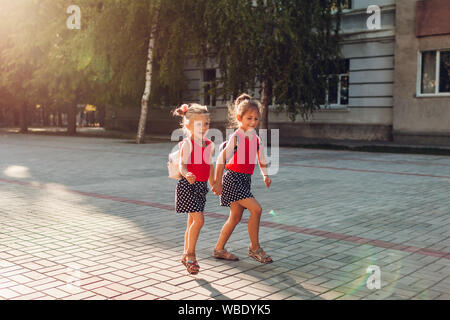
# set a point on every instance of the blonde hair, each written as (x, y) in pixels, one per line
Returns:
(188, 111)
(241, 105)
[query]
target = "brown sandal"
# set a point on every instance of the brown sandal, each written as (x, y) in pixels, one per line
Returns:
(191, 265)
(259, 256)
(224, 254)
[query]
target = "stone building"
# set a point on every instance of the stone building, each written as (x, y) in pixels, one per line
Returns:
(422, 72)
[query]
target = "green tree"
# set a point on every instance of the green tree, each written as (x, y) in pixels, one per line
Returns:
(138, 51)
(173, 39)
(43, 61)
(38, 63)
(148, 73)
(130, 51)
(283, 47)
(19, 54)
(105, 61)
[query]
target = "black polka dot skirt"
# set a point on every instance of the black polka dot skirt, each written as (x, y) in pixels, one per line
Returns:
(190, 197)
(236, 186)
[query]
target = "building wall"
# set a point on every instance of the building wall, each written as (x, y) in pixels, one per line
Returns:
(432, 17)
(416, 119)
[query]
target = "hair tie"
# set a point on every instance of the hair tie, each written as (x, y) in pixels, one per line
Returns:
(184, 108)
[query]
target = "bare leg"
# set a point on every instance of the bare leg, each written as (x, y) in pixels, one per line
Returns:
(190, 220)
(253, 223)
(236, 211)
(193, 232)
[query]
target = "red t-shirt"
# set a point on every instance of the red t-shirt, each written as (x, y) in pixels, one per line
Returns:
(244, 158)
(198, 163)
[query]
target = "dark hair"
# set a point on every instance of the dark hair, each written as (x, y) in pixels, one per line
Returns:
(241, 105)
(187, 111)
(241, 98)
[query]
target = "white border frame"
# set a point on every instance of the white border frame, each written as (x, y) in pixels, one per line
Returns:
(436, 93)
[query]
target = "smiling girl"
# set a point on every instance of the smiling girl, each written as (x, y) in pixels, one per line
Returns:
(238, 157)
(196, 170)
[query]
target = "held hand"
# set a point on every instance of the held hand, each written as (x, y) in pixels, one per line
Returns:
(267, 181)
(190, 177)
(213, 187)
(217, 189)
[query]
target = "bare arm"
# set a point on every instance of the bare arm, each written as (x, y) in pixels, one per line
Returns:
(262, 161)
(185, 154)
(211, 167)
(225, 156)
(184, 158)
(220, 166)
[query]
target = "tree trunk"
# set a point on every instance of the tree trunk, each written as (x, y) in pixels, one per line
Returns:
(46, 117)
(72, 118)
(16, 117)
(59, 124)
(101, 116)
(23, 118)
(148, 82)
(266, 101)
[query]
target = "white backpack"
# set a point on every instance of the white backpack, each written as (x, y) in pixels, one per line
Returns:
(174, 161)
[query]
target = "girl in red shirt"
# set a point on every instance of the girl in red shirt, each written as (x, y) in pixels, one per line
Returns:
(196, 170)
(238, 157)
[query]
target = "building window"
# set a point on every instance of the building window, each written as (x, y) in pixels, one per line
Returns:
(444, 72)
(336, 94)
(434, 73)
(209, 84)
(345, 5)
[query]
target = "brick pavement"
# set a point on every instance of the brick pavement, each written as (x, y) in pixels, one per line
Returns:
(91, 218)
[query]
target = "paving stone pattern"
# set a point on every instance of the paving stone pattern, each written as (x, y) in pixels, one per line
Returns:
(92, 218)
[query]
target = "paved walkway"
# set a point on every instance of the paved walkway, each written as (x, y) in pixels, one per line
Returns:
(91, 218)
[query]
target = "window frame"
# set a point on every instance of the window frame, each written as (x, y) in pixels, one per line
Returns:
(437, 74)
(344, 10)
(205, 83)
(338, 105)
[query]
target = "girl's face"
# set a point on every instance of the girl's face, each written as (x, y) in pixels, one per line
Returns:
(249, 120)
(198, 126)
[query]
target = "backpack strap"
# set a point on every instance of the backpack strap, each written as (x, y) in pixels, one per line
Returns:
(236, 144)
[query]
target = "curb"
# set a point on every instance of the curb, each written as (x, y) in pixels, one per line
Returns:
(375, 148)
(345, 145)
